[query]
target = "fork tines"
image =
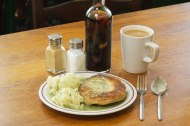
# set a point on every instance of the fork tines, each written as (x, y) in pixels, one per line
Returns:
(142, 82)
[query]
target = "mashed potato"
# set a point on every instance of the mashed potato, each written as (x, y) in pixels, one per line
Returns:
(70, 98)
(69, 81)
(53, 84)
(64, 91)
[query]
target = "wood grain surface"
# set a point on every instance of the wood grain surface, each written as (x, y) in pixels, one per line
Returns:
(22, 71)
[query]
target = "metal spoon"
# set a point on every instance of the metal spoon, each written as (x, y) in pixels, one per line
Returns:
(159, 86)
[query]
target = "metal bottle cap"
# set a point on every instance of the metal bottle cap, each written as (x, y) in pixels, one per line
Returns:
(55, 39)
(76, 43)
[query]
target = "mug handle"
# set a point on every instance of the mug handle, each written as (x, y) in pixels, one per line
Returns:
(155, 52)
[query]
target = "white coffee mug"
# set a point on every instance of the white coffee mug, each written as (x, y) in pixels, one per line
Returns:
(137, 52)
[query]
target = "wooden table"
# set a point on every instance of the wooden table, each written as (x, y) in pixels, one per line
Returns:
(22, 71)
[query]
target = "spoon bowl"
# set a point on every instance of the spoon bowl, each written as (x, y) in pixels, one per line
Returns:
(159, 87)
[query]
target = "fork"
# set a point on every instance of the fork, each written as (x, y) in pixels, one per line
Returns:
(141, 89)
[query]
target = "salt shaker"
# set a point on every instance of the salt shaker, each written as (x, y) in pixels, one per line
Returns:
(75, 56)
(55, 54)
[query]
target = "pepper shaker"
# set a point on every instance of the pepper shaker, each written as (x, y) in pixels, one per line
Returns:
(55, 54)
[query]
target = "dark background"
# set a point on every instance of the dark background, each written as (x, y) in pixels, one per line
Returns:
(16, 15)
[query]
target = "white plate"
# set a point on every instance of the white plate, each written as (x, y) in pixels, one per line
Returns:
(131, 97)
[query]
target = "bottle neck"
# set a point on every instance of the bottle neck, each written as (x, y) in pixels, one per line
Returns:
(79, 49)
(54, 44)
(95, 2)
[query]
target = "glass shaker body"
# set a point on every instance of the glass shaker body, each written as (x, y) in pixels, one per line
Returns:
(98, 37)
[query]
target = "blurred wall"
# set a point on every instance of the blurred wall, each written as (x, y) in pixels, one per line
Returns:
(16, 15)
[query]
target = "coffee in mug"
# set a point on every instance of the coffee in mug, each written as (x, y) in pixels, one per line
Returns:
(137, 48)
(136, 33)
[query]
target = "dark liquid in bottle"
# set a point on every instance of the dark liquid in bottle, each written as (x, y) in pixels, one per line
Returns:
(98, 43)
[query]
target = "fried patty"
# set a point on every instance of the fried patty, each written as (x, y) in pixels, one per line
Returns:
(102, 90)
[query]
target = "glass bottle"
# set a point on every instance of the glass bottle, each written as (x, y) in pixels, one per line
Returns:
(55, 55)
(75, 56)
(98, 37)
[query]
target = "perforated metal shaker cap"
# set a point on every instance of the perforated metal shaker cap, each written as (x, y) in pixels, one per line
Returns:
(76, 43)
(55, 39)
